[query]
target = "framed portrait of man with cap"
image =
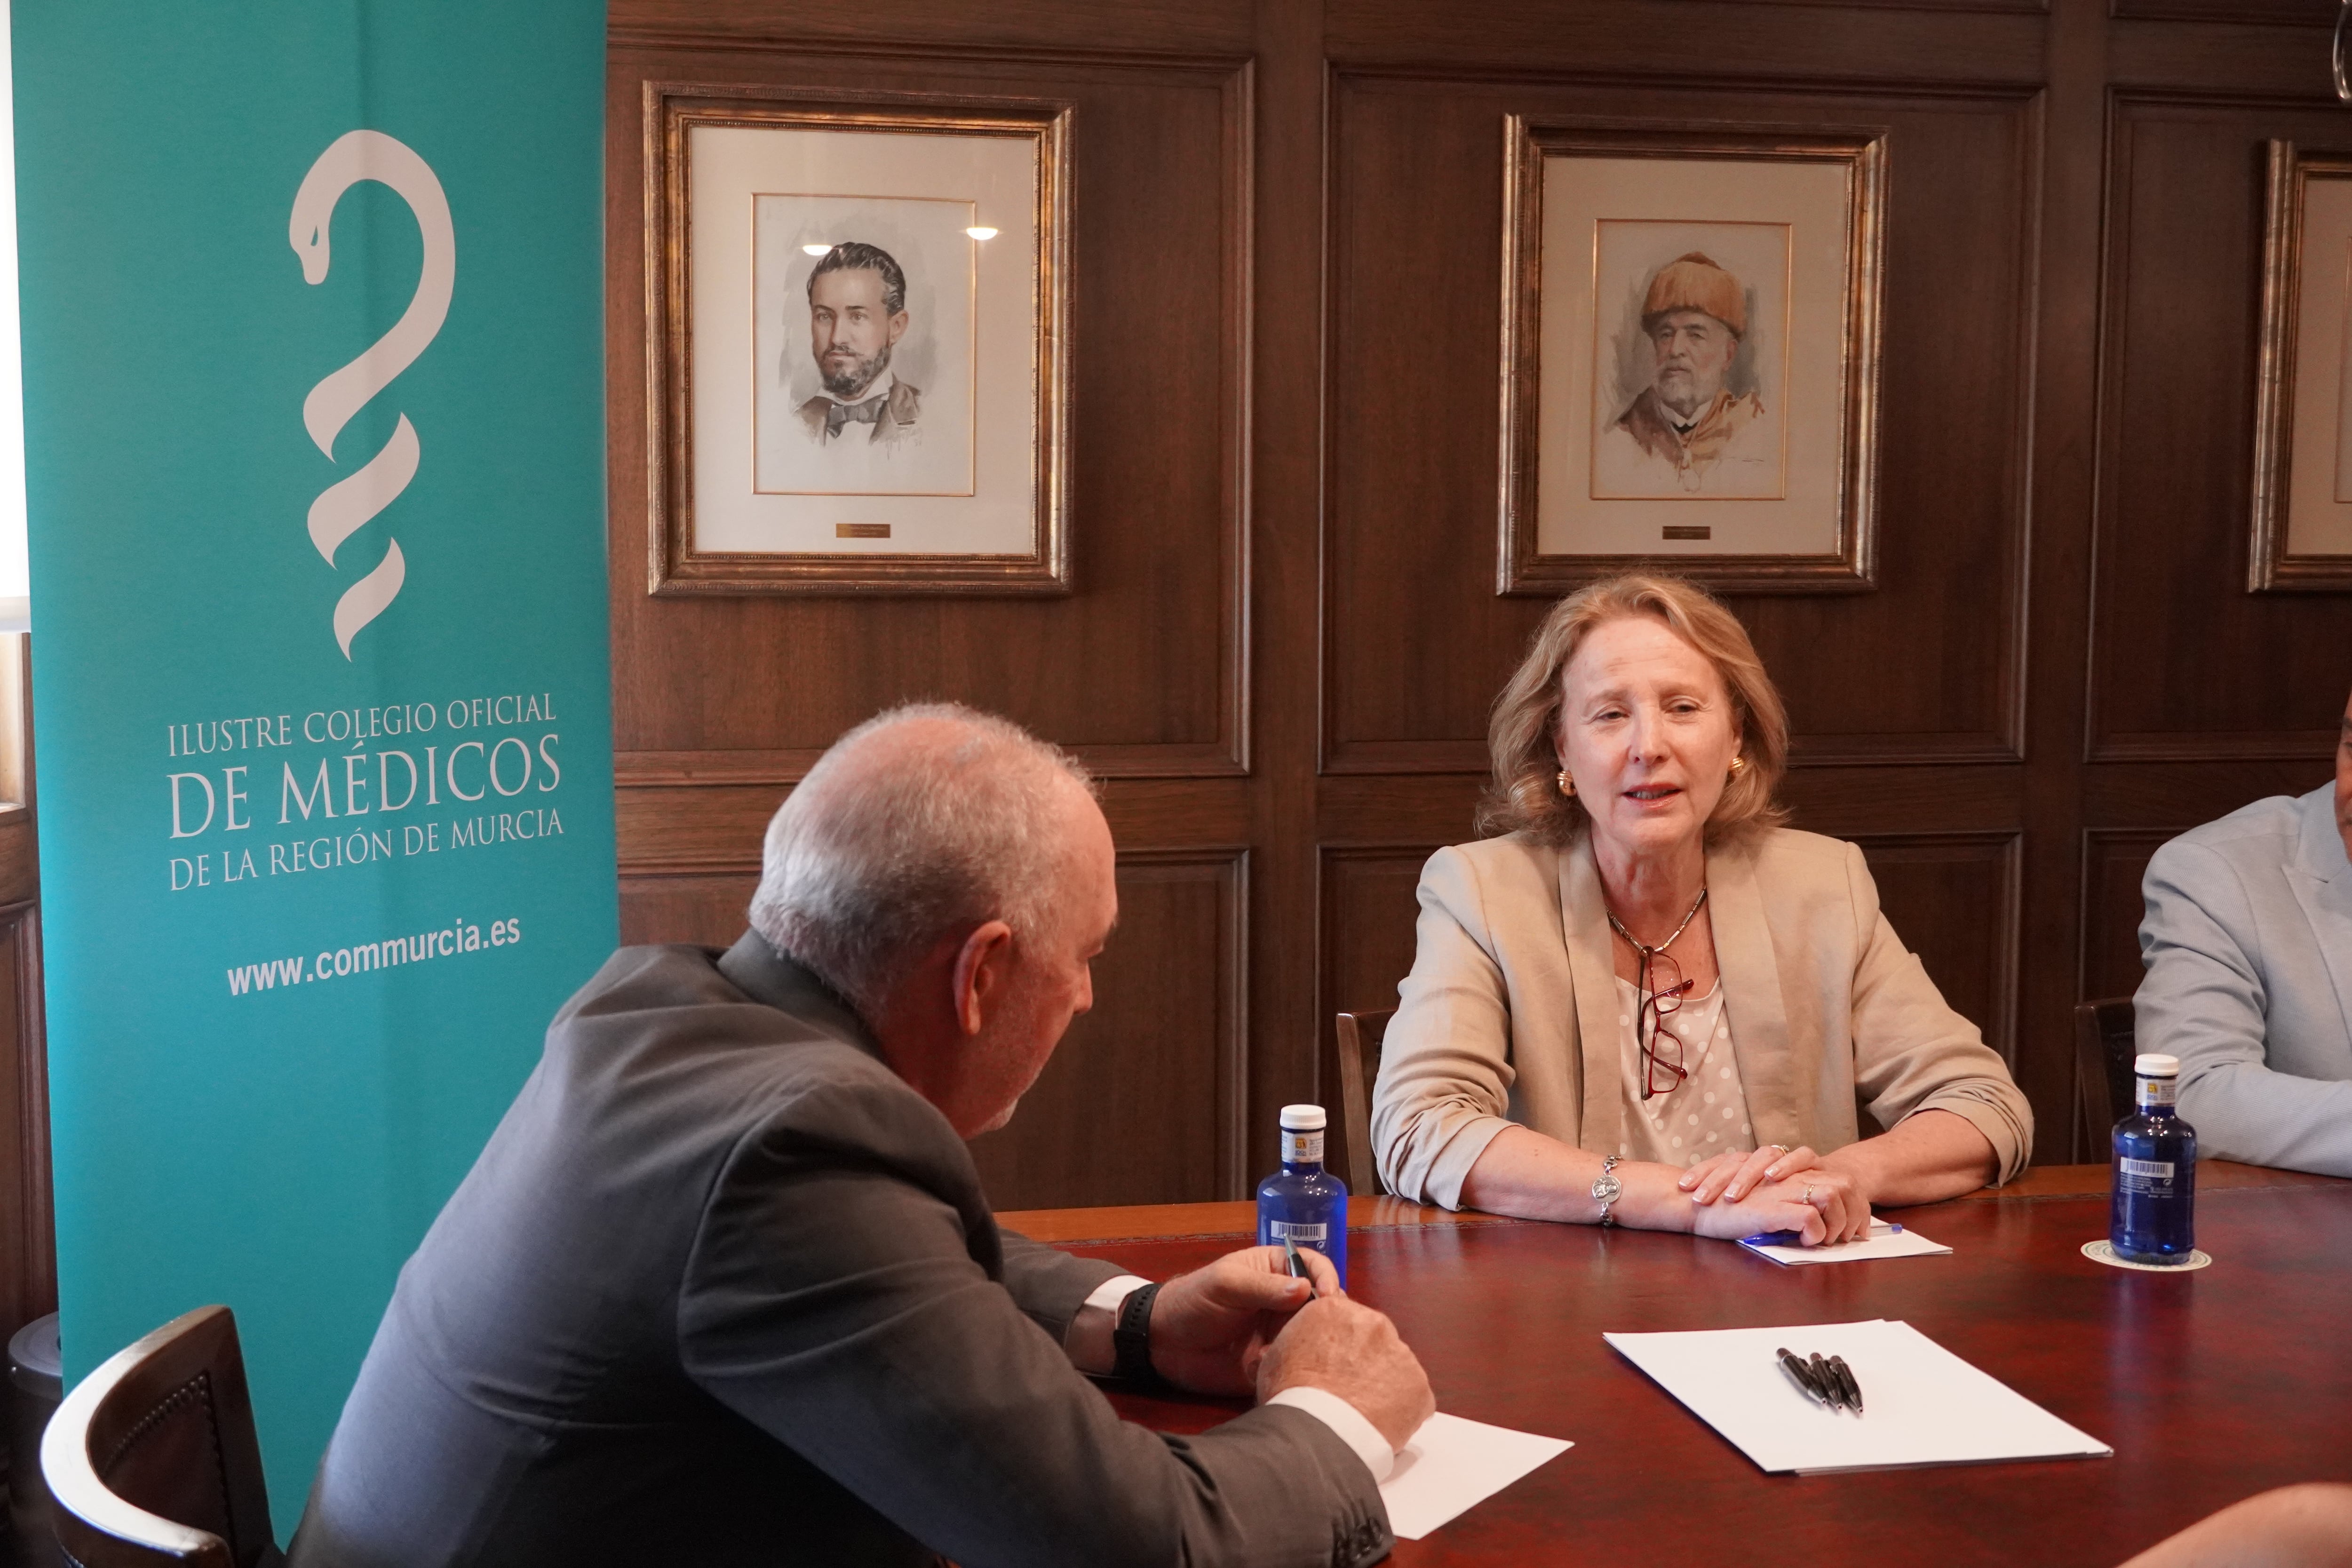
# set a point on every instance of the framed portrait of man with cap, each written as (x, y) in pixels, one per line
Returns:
(1690, 348)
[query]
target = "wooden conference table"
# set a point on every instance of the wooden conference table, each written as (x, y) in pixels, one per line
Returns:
(2209, 1385)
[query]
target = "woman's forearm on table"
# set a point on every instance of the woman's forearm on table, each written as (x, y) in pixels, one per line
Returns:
(1929, 1156)
(1529, 1177)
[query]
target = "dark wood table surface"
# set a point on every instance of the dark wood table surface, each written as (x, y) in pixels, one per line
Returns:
(2211, 1385)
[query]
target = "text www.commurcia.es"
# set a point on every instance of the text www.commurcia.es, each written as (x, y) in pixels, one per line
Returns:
(333, 964)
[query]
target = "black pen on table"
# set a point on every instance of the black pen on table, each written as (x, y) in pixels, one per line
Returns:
(1853, 1384)
(1803, 1375)
(1829, 1379)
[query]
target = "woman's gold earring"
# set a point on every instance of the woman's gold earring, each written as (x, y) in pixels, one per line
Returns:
(1567, 784)
(1738, 763)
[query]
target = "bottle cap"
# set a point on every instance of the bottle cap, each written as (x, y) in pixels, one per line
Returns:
(2151, 1064)
(1302, 1118)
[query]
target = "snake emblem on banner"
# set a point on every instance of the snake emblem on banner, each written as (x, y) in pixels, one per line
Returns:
(347, 505)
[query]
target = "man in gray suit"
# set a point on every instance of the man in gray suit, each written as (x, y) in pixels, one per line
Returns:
(2248, 943)
(723, 1287)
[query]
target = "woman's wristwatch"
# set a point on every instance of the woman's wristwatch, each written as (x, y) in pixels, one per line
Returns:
(1608, 1189)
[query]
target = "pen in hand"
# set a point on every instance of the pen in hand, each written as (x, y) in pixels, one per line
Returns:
(1294, 1265)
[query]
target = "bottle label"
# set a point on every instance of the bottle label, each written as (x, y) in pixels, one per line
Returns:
(2158, 1091)
(1302, 1148)
(1291, 1230)
(2146, 1178)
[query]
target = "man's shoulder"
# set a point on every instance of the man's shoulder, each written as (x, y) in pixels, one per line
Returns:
(2268, 830)
(675, 1014)
(1742, 410)
(1641, 414)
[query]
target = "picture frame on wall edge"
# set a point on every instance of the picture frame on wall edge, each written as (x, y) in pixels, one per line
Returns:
(1690, 355)
(857, 312)
(2302, 512)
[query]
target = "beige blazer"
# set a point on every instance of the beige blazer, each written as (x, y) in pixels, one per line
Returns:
(1510, 1012)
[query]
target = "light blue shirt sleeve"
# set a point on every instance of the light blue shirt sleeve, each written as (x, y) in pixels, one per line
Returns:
(2206, 998)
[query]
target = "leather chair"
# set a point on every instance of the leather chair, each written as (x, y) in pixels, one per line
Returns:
(2103, 1052)
(153, 1457)
(1360, 1066)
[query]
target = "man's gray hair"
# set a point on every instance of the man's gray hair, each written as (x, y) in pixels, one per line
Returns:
(896, 840)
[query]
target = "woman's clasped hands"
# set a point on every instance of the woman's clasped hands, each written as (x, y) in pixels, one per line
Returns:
(1820, 1203)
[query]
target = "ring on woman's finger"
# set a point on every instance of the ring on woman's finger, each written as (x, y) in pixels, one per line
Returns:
(1808, 1192)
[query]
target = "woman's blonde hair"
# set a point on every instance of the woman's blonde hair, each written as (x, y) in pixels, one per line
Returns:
(1524, 796)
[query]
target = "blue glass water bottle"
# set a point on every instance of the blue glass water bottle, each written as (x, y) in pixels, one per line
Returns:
(2154, 1216)
(1302, 1202)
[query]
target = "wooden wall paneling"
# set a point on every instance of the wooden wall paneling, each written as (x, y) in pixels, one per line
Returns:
(1952, 897)
(2236, 13)
(2114, 861)
(2182, 794)
(1285, 449)
(709, 909)
(28, 1248)
(2221, 60)
(1143, 671)
(1915, 41)
(2184, 664)
(1927, 669)
(1144, 1101)
(1026, 28)
(1365, 932)
(2062, 315)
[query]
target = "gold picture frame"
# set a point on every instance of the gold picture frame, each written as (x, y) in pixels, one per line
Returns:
(1593, 482)
(751, 488)
(2302, 523)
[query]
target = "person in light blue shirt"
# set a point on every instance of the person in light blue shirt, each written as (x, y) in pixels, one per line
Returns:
(2248, 943)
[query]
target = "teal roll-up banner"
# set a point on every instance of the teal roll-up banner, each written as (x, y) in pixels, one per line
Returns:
(313, 373)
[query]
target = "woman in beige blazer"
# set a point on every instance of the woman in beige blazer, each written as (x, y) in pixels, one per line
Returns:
(1647, 1004)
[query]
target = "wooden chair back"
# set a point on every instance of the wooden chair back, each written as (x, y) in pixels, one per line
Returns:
(152, 1458)
(2104, 1050)
(1359, 1068)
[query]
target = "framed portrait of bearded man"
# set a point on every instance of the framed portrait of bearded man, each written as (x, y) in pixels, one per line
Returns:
(858, 315)
(1690, 355)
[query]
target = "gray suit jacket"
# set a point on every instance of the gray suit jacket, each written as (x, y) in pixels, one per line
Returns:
(723, 1289)
(2248, 943)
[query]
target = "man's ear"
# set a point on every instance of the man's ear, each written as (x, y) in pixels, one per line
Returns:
(898, 328)
(980, 972)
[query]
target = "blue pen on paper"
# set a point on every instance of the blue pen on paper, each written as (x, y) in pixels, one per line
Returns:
(1790, 1237)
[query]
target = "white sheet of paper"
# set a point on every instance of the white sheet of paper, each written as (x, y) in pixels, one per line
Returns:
(1924, 1406)
(1452, 1464)
(1884, 1241)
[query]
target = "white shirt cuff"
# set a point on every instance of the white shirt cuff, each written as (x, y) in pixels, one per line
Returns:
(1351, 1424)
(1112, 1293)
(1087, 1340)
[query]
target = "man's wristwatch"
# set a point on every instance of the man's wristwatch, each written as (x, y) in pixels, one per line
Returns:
(1130, 1340)
(1608, 1189)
